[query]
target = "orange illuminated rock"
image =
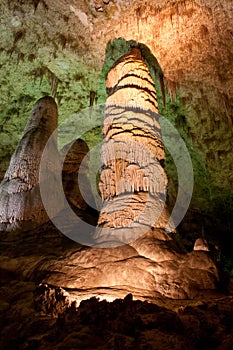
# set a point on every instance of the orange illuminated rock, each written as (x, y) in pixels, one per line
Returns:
(133, 182)
(135, 251)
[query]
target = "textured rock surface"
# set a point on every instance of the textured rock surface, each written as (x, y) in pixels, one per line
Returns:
(133, 187)
(191, 40)
(152, 264)
(152, 267)
(42, 318)
(64, 53)
(75, 180)
(201, 244)
(133, 182)
(149, 267)
(21, 206)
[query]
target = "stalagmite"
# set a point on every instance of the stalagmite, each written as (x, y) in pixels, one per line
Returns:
(141, 256)
(76, 184)
(133, 181)
(133, 189)
(21, 207)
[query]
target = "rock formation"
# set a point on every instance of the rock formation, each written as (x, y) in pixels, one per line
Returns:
(43, 319)
(21, 207)
(201, 244)
(191, 40)
(138, 255)
(64, 53)
(145, 261)
(75, 174)
(133, 187)
(133, 181)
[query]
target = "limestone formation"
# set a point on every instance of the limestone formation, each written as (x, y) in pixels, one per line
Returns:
(133, 187)
(52, 321)
(140, 255)
(21, 207)
(192, 41)
(201, 244)
(133, 181)
(75, 179)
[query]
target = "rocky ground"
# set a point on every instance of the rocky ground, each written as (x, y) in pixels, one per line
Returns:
(37, 315)
(31, 322)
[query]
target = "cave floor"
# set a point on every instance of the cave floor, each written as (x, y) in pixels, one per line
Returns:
(30, 323)
(40, 316)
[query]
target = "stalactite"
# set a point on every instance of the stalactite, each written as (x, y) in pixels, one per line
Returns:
(36, 3)
(46, 7)
(20, 57)
(138, 17)
(54, 81)
(161, 81)
(92, 98)
(172, 88)
(63, 41)
(42, 72)
(39, 73)
(18, 36)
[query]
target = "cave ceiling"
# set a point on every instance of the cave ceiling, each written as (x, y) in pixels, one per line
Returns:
(58, 47)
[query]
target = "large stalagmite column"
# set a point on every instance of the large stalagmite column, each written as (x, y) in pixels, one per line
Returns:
(21, 207)
(133, 181)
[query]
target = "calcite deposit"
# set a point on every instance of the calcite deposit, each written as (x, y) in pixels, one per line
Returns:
(133, 181)
(133, 246)
(76, 185)
(191, 40)
(21, 206)
(65, 48)
(137, 253)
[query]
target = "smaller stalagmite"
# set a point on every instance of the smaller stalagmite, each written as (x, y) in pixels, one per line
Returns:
(76, 184)
(21, 207)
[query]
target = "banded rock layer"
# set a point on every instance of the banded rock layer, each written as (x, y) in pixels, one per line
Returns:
(133, 182)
